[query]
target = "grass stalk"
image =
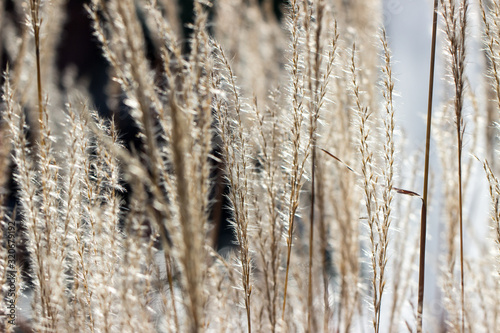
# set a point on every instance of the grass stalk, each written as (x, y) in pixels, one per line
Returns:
(423, 214)
(311, 239)
(388, 171)
(235, 149)
(298, 116)
(314, 108)
(36, 22)
(189, 258)
(369, 185)
(456, 24)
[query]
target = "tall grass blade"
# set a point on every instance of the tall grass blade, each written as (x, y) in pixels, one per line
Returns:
(423, 214)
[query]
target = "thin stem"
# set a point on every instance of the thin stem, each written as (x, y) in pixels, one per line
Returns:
(459, 87)
(461, 229)
(456, 32)
(296, 173)
(39, 76)
(36, 23)
(311, 239)
(423, 216)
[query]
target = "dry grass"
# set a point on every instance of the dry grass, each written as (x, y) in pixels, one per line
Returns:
(299, 118)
